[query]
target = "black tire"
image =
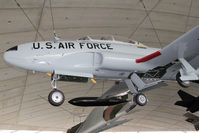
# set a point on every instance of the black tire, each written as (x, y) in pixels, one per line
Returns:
(54, 99)
(141, 99)
(180, 82)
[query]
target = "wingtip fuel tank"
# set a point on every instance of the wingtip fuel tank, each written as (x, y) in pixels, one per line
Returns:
(95, 101)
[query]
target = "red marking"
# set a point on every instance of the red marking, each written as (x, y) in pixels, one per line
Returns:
(117, 82)
(190, 120)
(148, 57)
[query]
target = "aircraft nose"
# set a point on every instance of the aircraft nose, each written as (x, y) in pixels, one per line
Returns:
(11, 56)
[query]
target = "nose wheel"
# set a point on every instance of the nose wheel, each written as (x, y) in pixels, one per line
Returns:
(55, 97)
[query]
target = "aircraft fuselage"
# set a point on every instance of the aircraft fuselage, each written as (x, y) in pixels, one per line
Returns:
(86, 58)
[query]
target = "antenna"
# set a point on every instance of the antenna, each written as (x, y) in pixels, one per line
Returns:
(26, 15)
(56, 39)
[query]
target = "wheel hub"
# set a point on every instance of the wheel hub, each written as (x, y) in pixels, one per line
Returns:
(57, 97)
(142, 99)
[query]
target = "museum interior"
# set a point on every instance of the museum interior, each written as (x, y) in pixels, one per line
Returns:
(24, 94)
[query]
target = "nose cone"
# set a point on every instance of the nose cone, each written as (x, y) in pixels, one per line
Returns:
(9, 54)
(72, 102)
(13, 57)
(10, 57)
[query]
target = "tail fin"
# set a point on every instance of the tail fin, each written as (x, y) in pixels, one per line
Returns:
(186, 46)
(187, 99)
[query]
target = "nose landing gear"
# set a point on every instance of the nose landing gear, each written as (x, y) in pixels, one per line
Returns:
(55, 97)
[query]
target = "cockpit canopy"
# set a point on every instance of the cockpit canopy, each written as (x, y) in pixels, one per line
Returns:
(85, 38)
(13, 48)
(109, 38)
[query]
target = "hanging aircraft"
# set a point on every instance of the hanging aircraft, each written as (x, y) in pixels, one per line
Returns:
(192, 104)
(188, 101)
(138, 66)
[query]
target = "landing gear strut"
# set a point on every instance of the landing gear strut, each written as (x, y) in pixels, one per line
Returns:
(184, 84)
(55, 97)
(135, 85)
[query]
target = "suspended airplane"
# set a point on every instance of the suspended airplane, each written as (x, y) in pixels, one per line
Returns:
(138, 66)
(192, 104)
(188, 101)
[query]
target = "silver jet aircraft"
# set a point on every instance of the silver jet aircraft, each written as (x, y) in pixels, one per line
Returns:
(138, 66)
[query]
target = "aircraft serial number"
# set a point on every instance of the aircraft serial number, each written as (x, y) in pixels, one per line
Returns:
(71, 45)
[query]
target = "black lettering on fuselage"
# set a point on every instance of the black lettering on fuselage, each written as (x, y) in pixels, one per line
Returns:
(96, 45)
(66, 45)
(102, 46)
(81, 44)
(36, 46)
(71, 45)
(49, 45)
(61, 45)
(89, 45)
(109, 46)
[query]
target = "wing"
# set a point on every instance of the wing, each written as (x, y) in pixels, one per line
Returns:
(90, 124)
(114, 124)
(102, 118)
(166, 64)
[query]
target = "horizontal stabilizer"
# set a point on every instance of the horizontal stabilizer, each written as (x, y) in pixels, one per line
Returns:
(188, 73)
